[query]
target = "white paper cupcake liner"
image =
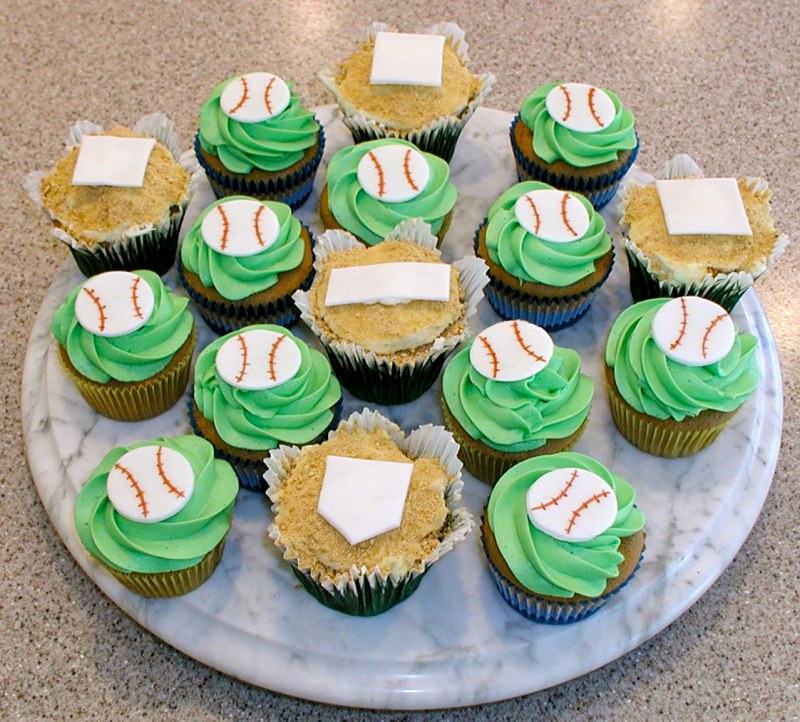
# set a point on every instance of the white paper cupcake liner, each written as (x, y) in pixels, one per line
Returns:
(356, 584)
(352, 359)
(114, 248)
(439, 136)
(724, 288)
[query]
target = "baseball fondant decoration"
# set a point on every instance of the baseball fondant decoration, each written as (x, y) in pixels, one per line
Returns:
(109, 160)
(393, 173)
(407, 59)
(255, 97)
(150, 484)
(362, 498)
(115, 303)
(693, 331)
(388, 283)
(703, 206)
(240, 227)
(580, 107)
(571, 504)
(552, 215)
(511, 351)
(258, 359)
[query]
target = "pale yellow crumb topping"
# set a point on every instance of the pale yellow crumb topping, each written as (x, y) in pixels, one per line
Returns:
(406, 107)
(401, 332)
(320, 548)
(693, 257)
(93, 213)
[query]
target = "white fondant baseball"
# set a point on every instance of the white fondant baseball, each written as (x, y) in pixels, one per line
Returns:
(511, 351)
(254, 97)
(114, 303)
(552, 215)
(240, 228)
(693, 331)
(150, 484)
(393, 173)
(580, 107)
(571, 504)
(258, 359)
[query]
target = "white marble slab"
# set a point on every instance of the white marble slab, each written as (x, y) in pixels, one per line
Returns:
(455, 641)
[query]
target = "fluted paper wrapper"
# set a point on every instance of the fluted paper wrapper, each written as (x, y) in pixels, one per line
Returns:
(136, 400)
(438, 137)
(150, 245)
(724, 288)
(362, 591)
(376, 378)
(170, 584)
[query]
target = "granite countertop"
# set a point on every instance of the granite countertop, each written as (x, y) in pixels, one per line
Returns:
(718, 81)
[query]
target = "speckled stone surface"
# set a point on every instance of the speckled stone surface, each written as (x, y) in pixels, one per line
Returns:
(717, 81)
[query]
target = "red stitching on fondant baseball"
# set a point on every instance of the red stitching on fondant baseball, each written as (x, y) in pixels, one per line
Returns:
(135, 486)
(554, 501)
(528, 350)
(594, 499)
(492, 355)
(272, 352)
(225, 228)
(709, 329)
(564, 216)
(266, 94)
(101, 309)
(407, 170)
(135, 297)
(243, 99)
(536, 217)
(164, 480)
(379, 169)
(590, 101)
(684, 321)
(568, 109)
(245, 364)
(255, 223)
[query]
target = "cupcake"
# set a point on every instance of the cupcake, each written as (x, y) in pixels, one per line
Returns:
(257, 388)
(691, 236)
(562, 535)
(548, 253)
(676, 373)
(511, 395)
(120, 216)
(371, 187)
(242, 260)
(126, 342)
(389, 315)
(576, 137)
(155, 514)
(411, 86)
(363, 516)
(256, 139)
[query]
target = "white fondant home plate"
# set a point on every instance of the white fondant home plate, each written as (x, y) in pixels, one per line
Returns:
(455, 641)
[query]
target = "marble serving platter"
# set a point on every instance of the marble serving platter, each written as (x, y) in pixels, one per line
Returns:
(454, 642)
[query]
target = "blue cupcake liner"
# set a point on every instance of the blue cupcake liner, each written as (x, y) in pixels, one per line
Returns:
(547, 611)
(645, 285)
(251, 473)
(599, 189)
(224, 318)
(154, 251)
(551, 314)
(292, 189)
(440, 142)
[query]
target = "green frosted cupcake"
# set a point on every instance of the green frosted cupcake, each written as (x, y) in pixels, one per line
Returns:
(256, 139)
(676, 373)
(511, 395)
(126, 342)
(156, 514)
